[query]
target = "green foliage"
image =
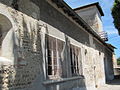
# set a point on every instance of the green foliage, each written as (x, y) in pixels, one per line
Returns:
(116, 14)
(118, 61)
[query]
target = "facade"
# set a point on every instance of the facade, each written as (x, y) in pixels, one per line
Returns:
(45, 45)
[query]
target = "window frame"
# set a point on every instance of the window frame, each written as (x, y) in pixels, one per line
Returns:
(55, 54)
(76, 63)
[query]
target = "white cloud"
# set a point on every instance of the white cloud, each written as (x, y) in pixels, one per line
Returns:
(110, 30)
(107, 3)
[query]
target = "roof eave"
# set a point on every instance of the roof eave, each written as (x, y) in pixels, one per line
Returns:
(67, 9)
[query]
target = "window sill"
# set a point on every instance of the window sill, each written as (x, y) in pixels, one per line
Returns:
(48, 82)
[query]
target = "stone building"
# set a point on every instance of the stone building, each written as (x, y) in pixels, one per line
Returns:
(46, 45)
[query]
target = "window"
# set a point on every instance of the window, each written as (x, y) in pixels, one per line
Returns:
(75, 62)
(54, 50)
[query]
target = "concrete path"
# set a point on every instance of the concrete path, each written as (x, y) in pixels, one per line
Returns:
(113, 85)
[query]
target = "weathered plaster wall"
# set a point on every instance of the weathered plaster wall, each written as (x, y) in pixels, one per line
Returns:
(92, 16)
(34, 19)
(108, 65)
(114, 61)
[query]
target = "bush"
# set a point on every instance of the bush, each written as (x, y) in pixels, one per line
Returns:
(118, 61)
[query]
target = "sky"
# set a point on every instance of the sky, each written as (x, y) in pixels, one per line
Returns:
(108, 26)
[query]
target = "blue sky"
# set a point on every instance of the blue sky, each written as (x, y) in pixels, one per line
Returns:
(108, 25)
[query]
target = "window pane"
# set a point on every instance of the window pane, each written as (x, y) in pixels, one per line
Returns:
(60, 45)
(55, 61)
(74, 54)
(54, 54)
(55, 70)
(49, 53)
(49, 61)
(50, 43)
(54, 49)
(53, 44)
(49, 70)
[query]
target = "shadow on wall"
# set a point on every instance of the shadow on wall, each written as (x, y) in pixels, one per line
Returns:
(5, 60)
(28, 59)
(28, 62)
(114, 82)
(46, 13)
(68, 85)
(24, 61)
(5, 26)
(51, 16)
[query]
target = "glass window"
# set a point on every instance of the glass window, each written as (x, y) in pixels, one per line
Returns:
(75, 62)
(54, 50)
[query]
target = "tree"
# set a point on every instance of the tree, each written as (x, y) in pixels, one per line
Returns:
(116, 14)
(118, 61)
